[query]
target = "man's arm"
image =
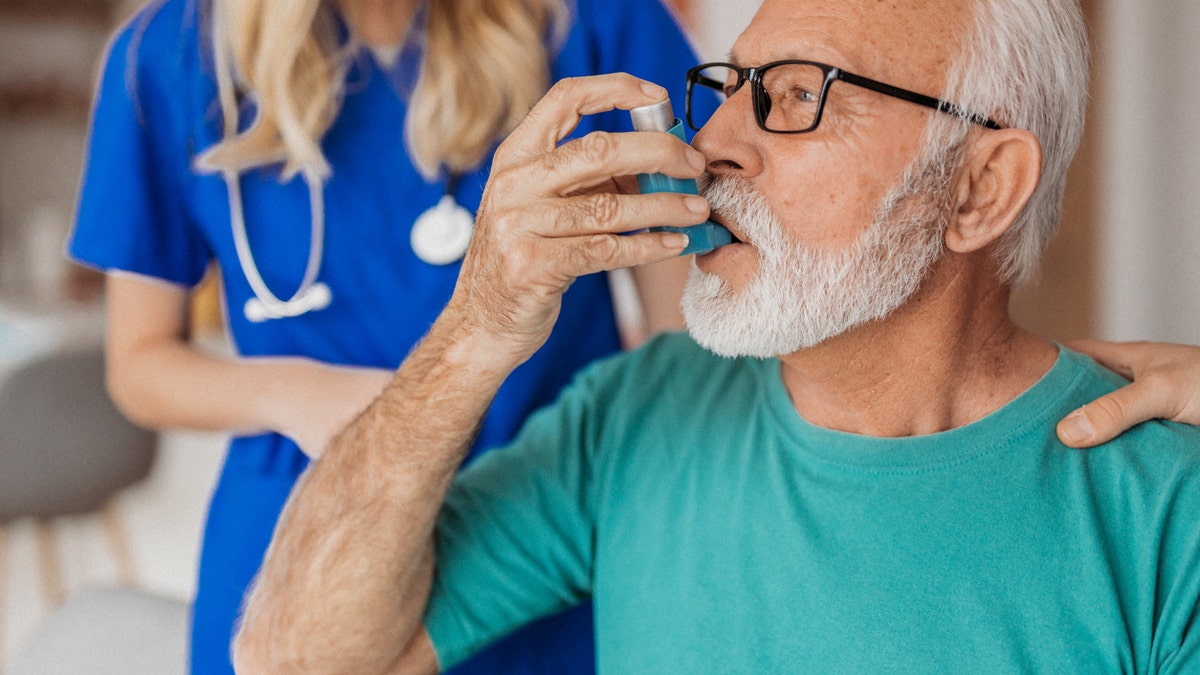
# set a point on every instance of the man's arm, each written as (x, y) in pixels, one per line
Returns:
(346, 579)
(1166, 384)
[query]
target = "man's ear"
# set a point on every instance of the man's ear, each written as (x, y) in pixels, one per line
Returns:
(1000, 173)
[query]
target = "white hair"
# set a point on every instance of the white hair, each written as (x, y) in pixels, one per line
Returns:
(1025, 64)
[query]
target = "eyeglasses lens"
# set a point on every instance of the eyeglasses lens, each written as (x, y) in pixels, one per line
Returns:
(789, 99)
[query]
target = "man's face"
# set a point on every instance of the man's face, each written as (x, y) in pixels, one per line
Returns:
(833, 192)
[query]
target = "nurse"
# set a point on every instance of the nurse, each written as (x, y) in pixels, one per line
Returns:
(327, 158)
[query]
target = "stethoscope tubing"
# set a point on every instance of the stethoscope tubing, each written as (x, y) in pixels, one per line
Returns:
(311, 295)
(448, 231)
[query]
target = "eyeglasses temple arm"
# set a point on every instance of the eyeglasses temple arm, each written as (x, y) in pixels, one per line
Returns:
(914, 97)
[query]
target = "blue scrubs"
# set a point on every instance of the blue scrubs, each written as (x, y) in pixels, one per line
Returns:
(144, 210)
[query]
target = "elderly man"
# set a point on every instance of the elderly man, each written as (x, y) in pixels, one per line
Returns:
(881, 490)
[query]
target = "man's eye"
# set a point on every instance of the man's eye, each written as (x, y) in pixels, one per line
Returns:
(795, 95)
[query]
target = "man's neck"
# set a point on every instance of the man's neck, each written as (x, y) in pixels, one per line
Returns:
(379, 23)
(949, 357)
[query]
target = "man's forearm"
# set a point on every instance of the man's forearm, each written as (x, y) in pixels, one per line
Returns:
(345, 582)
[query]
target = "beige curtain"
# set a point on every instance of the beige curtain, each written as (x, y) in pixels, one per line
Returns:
(1150, 179)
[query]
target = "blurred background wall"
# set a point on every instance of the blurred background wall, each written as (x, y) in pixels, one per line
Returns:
(48, 52)
(148, 535)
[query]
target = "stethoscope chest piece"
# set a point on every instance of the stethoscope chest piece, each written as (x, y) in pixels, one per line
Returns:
(440, 235)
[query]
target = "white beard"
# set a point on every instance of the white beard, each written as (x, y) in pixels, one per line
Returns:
(802, 296)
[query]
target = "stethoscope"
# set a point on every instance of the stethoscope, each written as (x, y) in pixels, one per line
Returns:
(439, 236)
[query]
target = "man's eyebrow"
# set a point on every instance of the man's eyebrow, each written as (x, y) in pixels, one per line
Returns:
(732, 58)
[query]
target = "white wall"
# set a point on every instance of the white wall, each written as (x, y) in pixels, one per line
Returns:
(720, 22)
(1151, 202)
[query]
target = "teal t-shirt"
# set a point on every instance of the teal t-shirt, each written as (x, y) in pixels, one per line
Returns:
(717, 531)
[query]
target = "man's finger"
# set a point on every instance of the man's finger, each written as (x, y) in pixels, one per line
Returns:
(1106, 417)
(608, 213)
(583, 163)
(606, 252)
(558, 113)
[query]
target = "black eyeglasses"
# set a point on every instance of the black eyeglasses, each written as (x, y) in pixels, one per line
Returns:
(789, 96)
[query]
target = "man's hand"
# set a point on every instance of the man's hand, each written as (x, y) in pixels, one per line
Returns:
(552, 213)
(1166, 384)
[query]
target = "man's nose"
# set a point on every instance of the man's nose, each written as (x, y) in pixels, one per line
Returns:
(730, 137)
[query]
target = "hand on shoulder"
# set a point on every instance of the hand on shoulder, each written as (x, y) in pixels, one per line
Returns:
(1166, 385)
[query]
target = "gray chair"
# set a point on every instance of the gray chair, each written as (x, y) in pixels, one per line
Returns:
(64, 450)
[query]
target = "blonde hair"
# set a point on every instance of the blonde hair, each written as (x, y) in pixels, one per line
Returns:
(486, 62)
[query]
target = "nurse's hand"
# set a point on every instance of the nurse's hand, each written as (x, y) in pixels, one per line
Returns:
(321, 400)
(1166, 384)
(551, 213)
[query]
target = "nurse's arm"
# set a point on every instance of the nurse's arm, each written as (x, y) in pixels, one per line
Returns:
(159, 379)
(660, 291)
(346, 579)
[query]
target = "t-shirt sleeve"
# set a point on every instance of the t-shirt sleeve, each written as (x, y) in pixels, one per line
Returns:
(515, 538)
(132, 213)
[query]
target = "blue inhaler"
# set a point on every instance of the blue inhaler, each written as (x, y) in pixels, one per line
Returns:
(704, 237)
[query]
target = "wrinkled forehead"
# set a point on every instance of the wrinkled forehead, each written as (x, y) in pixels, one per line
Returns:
(903, 42)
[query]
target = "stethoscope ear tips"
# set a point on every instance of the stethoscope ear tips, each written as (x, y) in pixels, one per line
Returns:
(314, 298)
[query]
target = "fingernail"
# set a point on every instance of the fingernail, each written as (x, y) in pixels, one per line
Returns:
(696, 159)
(1077, 428)
(696, 204)
(654, 90)
(677, 240)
